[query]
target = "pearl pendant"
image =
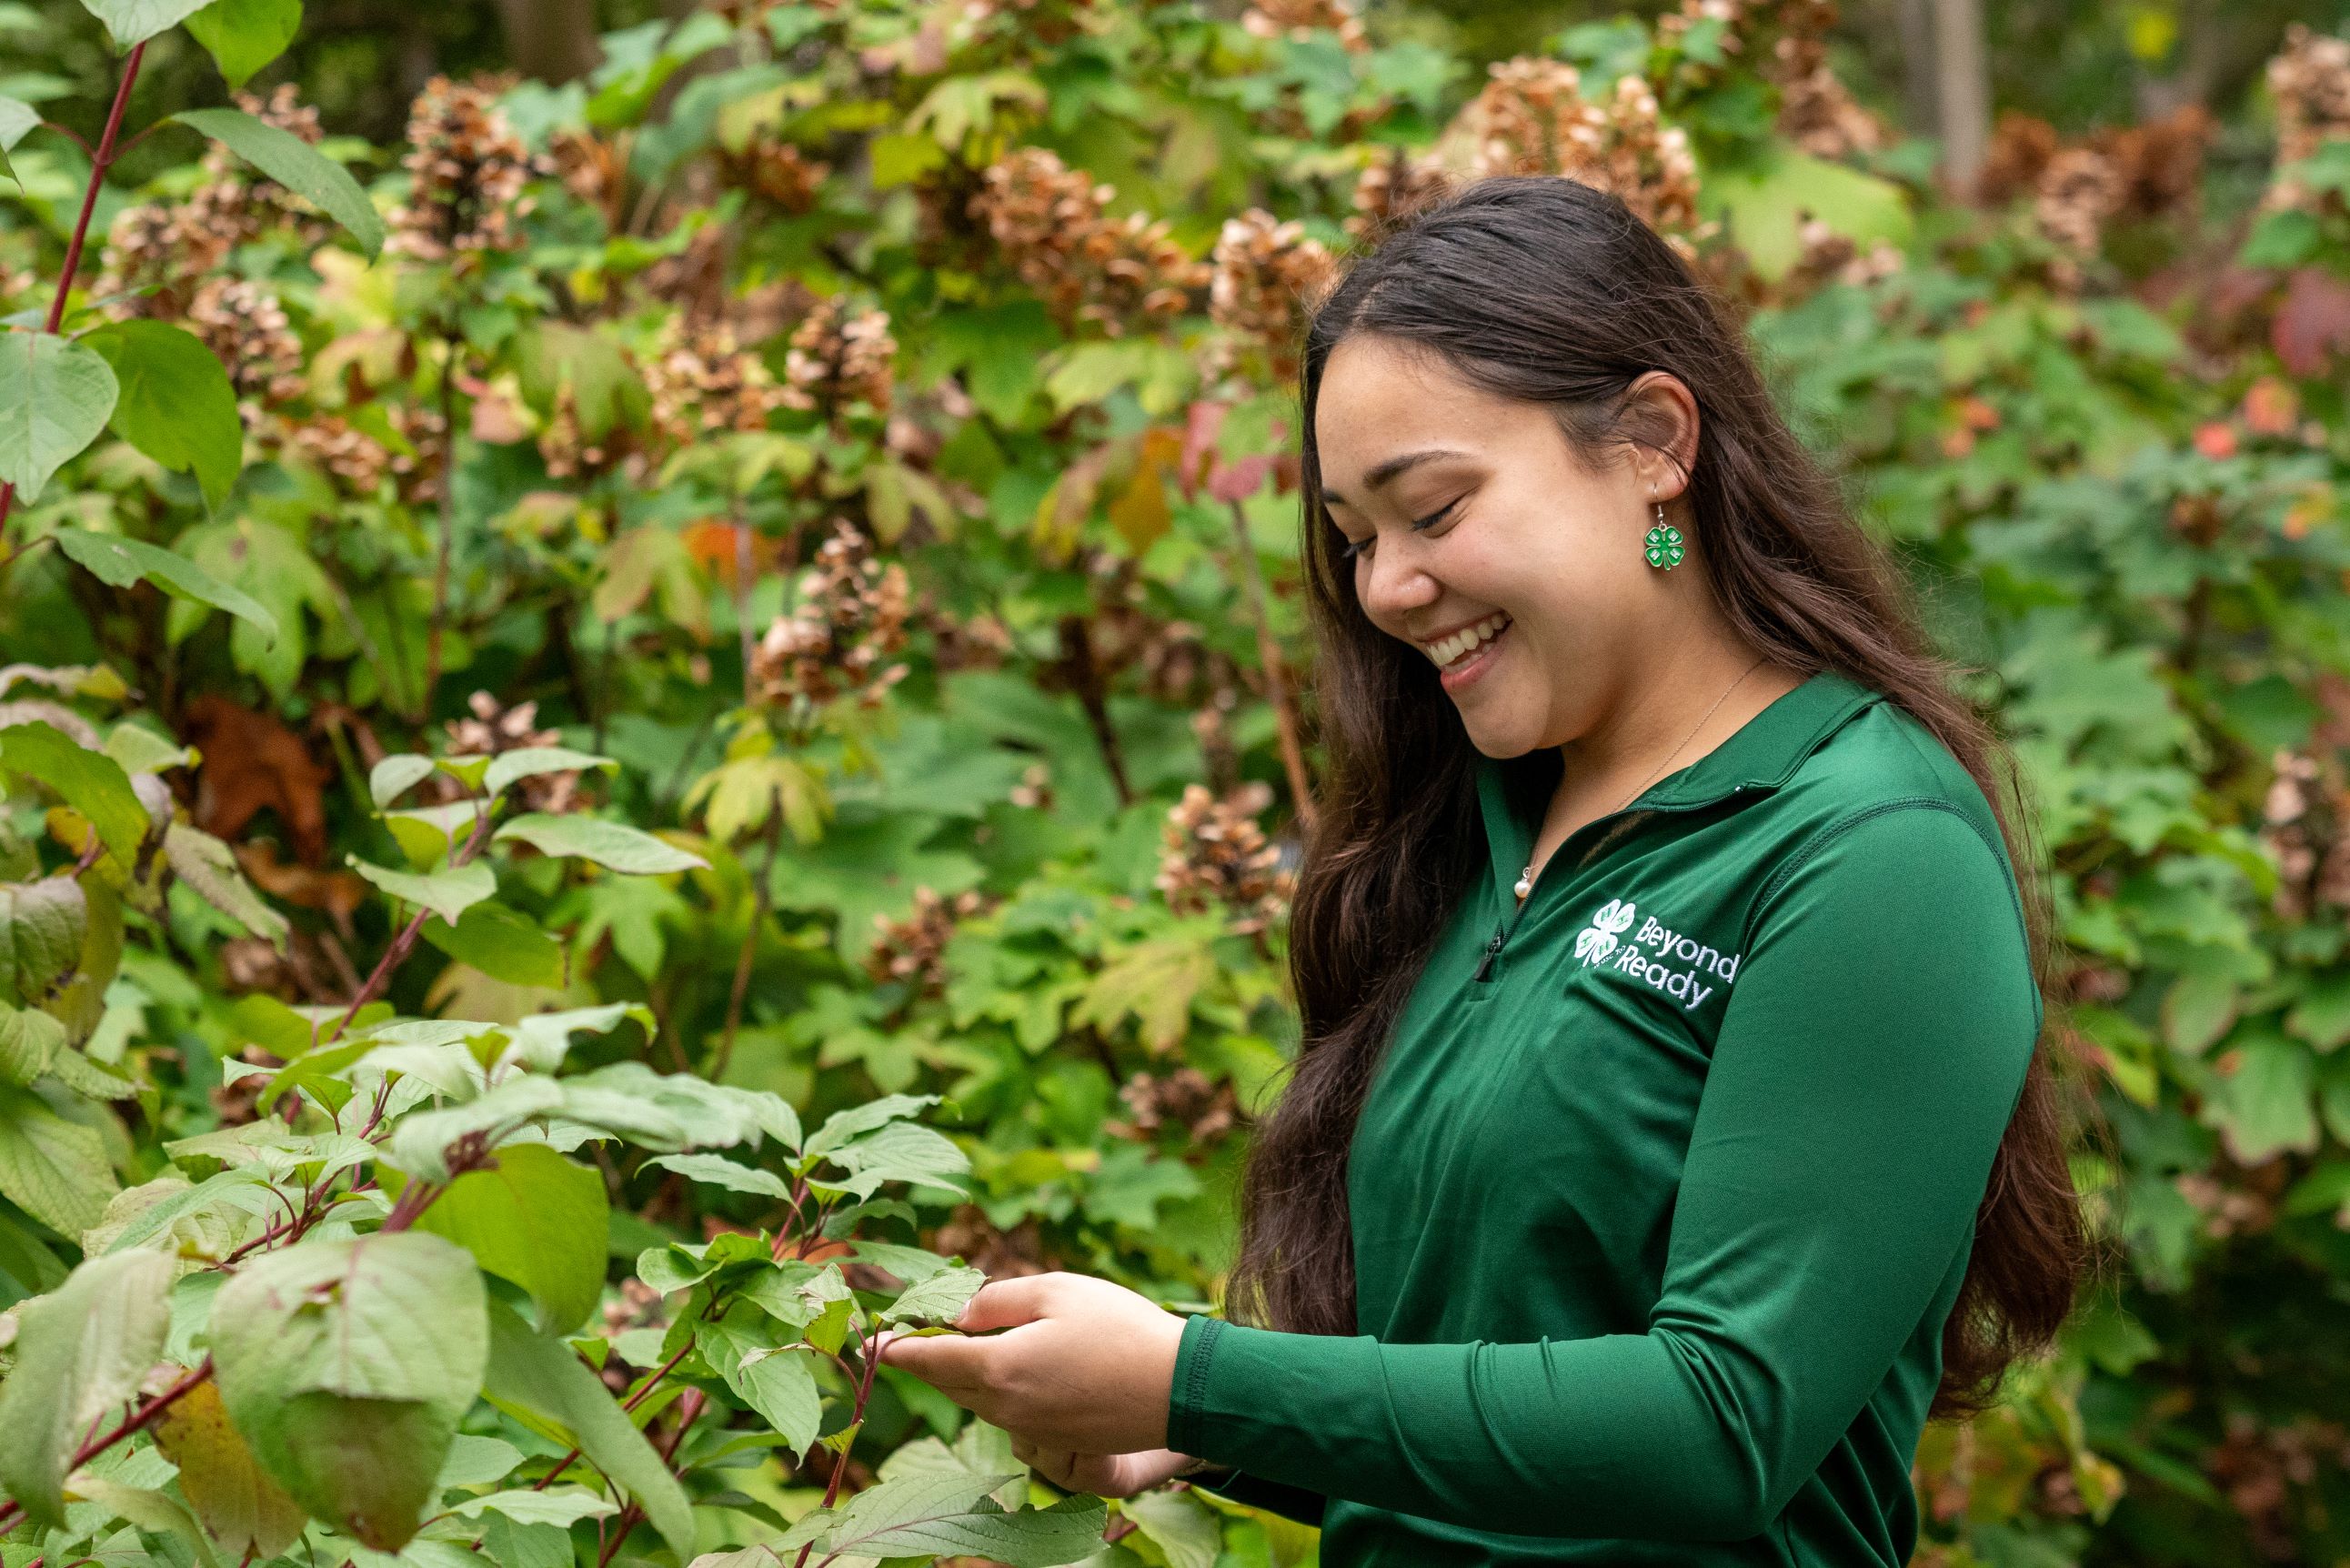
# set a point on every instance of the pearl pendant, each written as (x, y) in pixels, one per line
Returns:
(1525, 883)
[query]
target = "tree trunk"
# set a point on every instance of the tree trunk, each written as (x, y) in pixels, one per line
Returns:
(551, 40)
(1962, 93)
(1914, 23)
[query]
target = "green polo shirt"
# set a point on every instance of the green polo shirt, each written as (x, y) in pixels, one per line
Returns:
(1667, 1178)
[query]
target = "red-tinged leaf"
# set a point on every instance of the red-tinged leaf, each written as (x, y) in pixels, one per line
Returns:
(2313, 322)
(1202, 423)
(1238, 481)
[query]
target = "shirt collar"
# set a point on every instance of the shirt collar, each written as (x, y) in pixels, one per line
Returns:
(1761, 754)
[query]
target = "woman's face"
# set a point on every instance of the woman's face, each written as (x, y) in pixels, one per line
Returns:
(1469, 512)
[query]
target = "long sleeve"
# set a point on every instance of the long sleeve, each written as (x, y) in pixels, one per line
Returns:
(1871, 1052)
(1295, 1503)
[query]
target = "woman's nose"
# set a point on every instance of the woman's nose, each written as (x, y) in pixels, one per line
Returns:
(1396, 585)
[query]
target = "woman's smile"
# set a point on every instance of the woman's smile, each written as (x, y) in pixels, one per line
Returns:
(1465, 654)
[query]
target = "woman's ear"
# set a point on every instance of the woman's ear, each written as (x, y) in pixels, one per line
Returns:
(1661, 418)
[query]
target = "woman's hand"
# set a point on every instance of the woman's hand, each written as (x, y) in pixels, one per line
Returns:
(1103, 1475)
(1084, 1367)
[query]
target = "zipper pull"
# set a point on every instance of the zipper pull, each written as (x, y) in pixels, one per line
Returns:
(1492, 946)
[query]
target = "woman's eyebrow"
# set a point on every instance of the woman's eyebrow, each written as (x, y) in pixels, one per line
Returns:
(1383, 472)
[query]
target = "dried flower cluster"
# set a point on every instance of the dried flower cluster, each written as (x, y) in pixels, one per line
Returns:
(2306, 830)
(1817, 111)
(836, 358)
(592, 168)
(2276, 1476)
(910, 951)
(2310, 81)
(2077, 195)
(1391, 188)
(469, 170)
(839, 638)
(2078, 191)
(1533, 118)
(1206, 1110)
(160, 253)
(1266, 278)
(1052, 224)
(1830, 258)
(702, 382)
(1301, 19)
(777, 171)
(245, 328)
(1217, 855)
(495, 728)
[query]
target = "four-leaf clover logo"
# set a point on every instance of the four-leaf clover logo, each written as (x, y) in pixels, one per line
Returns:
(1665, 546)
(1596, 940)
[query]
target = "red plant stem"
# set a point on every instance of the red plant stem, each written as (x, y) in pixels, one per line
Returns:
(99, 161)
(137, 1422)
(1268, 653)
(402, 945)
(871, 1351)
(690, 1406)
(630, 1403)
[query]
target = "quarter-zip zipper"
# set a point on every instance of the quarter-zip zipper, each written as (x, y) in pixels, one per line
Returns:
(1503, 932)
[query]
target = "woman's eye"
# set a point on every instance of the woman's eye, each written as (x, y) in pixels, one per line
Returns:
(1350, 548)
(1436, 516)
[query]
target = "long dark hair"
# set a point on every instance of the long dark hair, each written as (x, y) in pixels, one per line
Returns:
(1547, 290)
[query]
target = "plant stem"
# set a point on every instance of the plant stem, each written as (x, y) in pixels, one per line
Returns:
(1268, 652)
(99, 161)
(870, 1350)
(447, 510)
(137, 1422)
(404, 943)
(763, 899)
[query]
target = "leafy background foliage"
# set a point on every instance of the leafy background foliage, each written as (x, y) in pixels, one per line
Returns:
(561, 635)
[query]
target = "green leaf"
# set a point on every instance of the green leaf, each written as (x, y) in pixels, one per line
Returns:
(535, 1219)
(502, 944)
(611, 844)
(17, 118)
(943, 1513)
(295, 164)
(847, 1127)
(347, 1366)
(222, 1481)
(396, 775)
(719, 1171)
(540, 1041)
(419, 1142)
(92, 782)
(242, 35)
(940, 1298)
(901, 1151)
(448, 894)
(54, 399)
(147, 1511)
(52, 1168)
(1765, 204)
(129, 22)
(2261, 1099)
(543, 1378)
(529, 762)
(43, 928)
(1184, 1529)
(210, 867)
(564, 1505)
(118, 563)
(775, 1382)
(80, 1353)
(174, 403)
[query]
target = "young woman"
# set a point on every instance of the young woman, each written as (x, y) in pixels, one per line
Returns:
(1671, 1138)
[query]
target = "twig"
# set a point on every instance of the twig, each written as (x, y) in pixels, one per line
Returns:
(137, 1422)
(447, 510)
(1268, 652)
(99, 161)
(762, 900)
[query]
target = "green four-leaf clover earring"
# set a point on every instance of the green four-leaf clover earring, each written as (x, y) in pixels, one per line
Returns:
(1664, 543)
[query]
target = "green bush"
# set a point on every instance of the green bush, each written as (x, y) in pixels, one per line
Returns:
(759, 590)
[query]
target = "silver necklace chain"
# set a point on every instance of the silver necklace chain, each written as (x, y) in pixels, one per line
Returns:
(1526, 877)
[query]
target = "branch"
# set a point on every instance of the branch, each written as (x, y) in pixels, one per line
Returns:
(99, 161)
(137, 1422)
(1268, 652)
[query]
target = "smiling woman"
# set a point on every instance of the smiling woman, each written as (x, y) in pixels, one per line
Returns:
(1672, 1136)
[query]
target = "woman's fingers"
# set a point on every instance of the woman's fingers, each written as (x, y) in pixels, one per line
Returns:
(948, 1363)
(1007, 1303)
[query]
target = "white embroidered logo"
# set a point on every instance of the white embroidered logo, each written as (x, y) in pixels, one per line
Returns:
(1595, 942)
(1674, 962)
